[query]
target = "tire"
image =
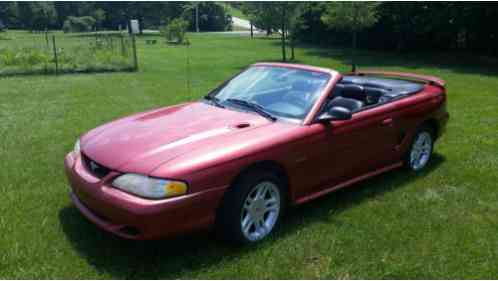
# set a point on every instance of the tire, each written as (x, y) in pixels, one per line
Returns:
(421, 148)
(245, 217)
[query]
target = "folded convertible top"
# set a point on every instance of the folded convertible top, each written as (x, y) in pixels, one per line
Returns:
(406, 75)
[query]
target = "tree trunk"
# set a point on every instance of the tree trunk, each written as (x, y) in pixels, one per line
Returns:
(140, 24)
(284, 58)
(292, 42)
(353, 52)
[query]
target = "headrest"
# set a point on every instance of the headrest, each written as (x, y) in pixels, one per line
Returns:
(353, 91)
(376, 92)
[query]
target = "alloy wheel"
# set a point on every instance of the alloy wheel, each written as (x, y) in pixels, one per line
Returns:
(260, 211)
(421, 150)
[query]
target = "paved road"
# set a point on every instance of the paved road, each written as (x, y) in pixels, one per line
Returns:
(242, 23)
(238, 22)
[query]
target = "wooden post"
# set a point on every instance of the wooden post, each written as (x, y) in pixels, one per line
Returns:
(46, 39)
(252, 35)
(55, 56)
(122, 45)
(134, 46)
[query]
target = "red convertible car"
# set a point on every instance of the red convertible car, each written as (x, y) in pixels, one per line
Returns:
(273, 136)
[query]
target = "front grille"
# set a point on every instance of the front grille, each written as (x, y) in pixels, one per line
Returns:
(95, 168)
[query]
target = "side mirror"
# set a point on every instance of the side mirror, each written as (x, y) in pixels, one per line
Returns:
(336, 113)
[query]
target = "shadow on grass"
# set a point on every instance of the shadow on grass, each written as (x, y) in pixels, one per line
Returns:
(456, 61)
(169, 259)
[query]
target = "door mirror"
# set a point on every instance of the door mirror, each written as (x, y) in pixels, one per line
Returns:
(336, 113)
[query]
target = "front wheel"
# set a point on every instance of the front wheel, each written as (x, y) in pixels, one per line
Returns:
(421, 149)
(252, 208)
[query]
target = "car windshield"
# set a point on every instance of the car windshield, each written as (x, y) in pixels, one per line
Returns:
(275, 91)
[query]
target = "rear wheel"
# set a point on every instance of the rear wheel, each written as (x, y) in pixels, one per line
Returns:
(251, 208)
(421, 149)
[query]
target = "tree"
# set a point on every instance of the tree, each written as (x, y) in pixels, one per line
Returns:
(8, 13)
(37, 15)
(175, 31)
(79, 24)
(295, 21)
(262, 14)
(277, 16)
(352, 17)
(99, 16)
(207, 16)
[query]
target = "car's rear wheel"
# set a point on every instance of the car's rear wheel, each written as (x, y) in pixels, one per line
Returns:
(421, 149)
(252, 208)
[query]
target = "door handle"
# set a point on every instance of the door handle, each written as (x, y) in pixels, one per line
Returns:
(387, 122)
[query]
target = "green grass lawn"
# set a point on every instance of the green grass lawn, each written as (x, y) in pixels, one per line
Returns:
(442, 223)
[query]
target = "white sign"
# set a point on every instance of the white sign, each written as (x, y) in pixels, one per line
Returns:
(134, 27)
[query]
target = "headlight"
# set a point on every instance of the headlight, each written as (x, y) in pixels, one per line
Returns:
(149, 187)
(77, 146)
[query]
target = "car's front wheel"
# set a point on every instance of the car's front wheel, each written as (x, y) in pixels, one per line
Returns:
(251, 208)
(421, 149)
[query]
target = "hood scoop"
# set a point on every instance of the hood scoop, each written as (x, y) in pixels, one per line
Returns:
(242, 125)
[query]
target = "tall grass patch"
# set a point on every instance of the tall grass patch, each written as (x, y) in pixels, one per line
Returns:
(48, 54)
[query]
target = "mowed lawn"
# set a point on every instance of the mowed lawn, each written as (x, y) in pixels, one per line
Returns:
(442, 223)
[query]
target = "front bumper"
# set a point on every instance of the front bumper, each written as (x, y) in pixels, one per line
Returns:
(133, 217)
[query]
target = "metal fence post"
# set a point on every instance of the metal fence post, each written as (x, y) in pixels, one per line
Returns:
(135, 60)
(55, 56)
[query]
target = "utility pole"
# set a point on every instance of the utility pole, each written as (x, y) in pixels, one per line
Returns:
(197, 17)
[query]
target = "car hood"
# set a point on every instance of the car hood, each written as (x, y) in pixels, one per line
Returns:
(142, 142)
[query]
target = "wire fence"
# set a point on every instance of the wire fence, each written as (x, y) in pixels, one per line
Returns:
(44, 53)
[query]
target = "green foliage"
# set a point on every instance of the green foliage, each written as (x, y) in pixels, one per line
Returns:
(9, 13)
(79, 24)
(24, 57)
(232, 9)
(37, 16)
(399, 26)
(264, 15)
(351, 16)
(212, 16)
(175, 31)
(74, 54)
(283, 17)
(99, 15)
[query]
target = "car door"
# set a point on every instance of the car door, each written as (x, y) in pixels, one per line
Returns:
(360, 145)
(337, 151)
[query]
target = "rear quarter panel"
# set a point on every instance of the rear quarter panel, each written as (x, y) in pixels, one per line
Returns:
(411, 112)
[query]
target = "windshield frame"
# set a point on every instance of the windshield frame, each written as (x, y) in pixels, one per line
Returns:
(314, 108)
